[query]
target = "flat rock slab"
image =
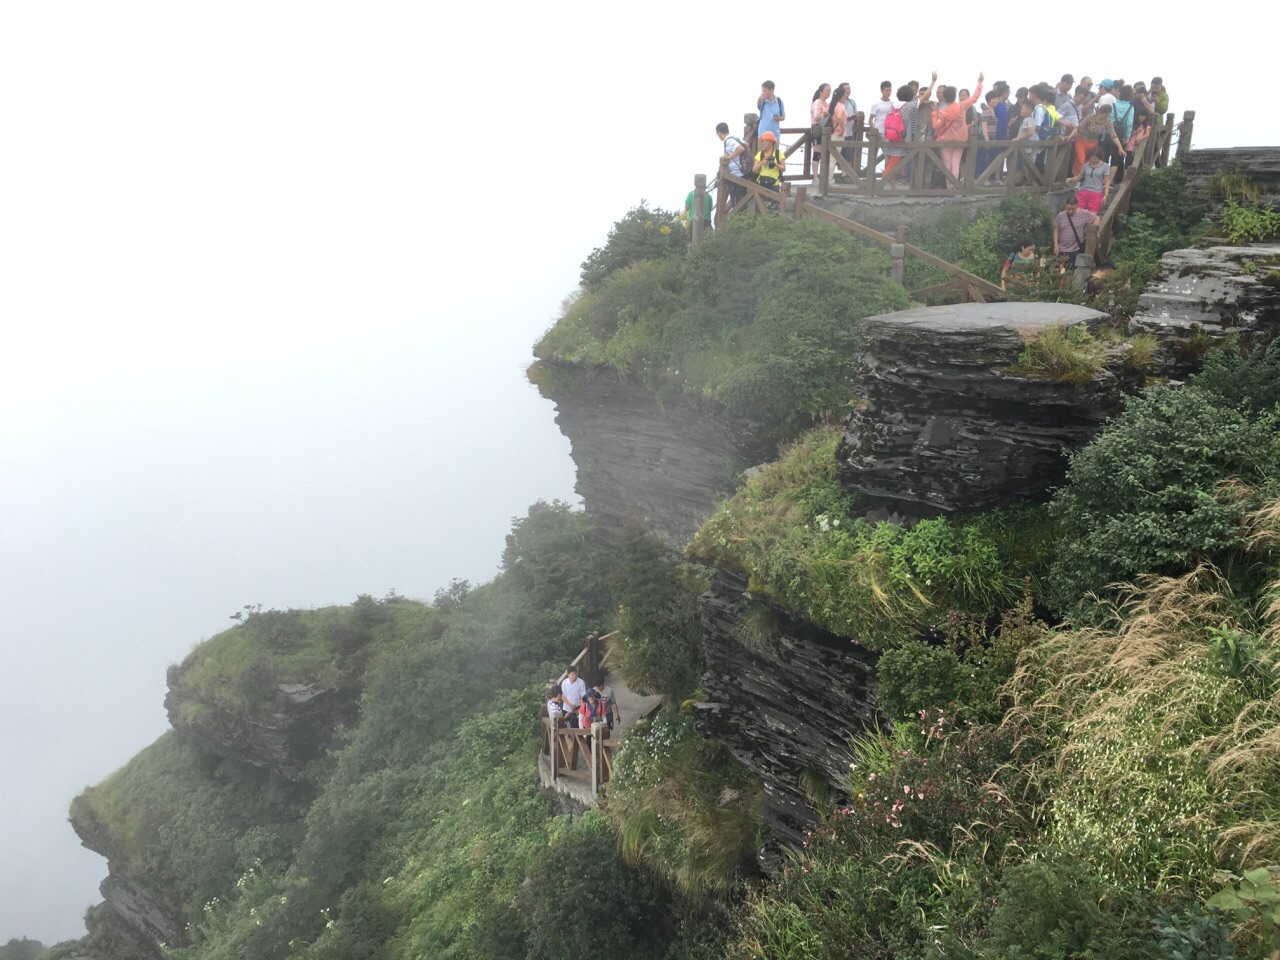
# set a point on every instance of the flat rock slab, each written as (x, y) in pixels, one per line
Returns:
(1205, 295)
(944, 420)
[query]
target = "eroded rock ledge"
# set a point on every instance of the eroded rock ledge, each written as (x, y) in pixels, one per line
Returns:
(1204, 295)
(666, 460)
(784, 696)
(946, 419)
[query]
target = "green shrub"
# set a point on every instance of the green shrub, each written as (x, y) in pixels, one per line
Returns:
(1152, 492)
(792, 532)
(1250, 222)
(760, 319)
(643, 234)
(683, 807)
(658, 647)
(586, 897)
(1059, 909)
(1246, 377)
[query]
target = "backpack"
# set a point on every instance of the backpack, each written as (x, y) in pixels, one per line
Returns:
(744, 158)
(895, 128)
(1051, 118)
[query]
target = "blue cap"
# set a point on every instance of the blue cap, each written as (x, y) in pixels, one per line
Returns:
(1107, 83)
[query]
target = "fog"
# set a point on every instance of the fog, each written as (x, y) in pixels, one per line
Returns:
(269, 276)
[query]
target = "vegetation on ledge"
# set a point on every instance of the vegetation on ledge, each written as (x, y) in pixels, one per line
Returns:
(761, 319)
(792, 530)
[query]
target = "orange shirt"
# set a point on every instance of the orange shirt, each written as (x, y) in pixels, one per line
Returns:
(951, 122)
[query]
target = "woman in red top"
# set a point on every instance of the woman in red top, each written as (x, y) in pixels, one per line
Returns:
(951, 124)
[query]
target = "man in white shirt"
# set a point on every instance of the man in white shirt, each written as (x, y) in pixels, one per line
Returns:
(880, 109)
(1106, 96)
(574, 688)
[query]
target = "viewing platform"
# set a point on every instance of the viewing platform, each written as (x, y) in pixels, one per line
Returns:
(579, 763)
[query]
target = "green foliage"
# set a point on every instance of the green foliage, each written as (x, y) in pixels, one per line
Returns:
(241, 668)
(684, 807)
(659, 643)
(1246, 377)
(792, 532)
(760, 319)
(587, 901)
(1159, 489)
(175, 819)
(964, 673)
(643, 234)
(1059, 909)
(1067, 353)
(1193, 935)
(1250, 222)
(981, 246)
(1255, 896)
(1234, 185)
(1163, 215)
(908, 865)
(23, 949)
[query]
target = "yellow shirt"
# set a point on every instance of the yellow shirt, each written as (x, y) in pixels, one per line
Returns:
(771, 169)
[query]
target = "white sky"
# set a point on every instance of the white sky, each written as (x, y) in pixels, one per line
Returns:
(269, 273)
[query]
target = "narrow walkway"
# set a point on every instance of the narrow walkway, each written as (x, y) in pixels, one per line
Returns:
(632, 706)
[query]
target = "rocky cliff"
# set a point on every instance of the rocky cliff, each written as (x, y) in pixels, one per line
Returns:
(665, 460)
(948, 416)
(283, 739)
(783, 695)
(1204, 295)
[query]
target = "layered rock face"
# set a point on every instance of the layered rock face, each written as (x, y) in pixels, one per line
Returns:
(283, 741)
(1202, 296)
(664, 460)
(783, 695)
(947, 419)
(1260, 164)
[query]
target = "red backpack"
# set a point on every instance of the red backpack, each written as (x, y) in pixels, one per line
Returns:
(895, 128)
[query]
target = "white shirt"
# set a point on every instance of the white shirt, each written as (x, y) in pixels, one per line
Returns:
(574, 691)
(732, 143)
(879, 110)
(1108, 99)
(554, 709)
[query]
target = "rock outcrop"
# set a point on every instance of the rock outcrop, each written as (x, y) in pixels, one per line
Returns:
(948, 417)
(782, 695)
(283, 740)
(666, 460)
(1204, 295)
(1259, 164)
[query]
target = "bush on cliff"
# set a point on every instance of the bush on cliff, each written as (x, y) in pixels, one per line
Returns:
(761, 319)
(792, 531)
(643, 234)
(1165, 486)
(658, 647)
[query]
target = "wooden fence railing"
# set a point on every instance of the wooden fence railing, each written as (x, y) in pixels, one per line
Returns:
(566, 746)
(849, 166)
(1148, 153)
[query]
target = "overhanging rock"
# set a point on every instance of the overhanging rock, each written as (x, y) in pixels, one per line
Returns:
(947, 418)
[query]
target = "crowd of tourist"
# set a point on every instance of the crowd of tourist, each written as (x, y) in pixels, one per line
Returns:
(1105, 123)
(577, 705)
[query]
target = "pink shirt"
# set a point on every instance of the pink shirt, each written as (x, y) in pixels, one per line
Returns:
(838, 119)
(952, 121)
(817, 110)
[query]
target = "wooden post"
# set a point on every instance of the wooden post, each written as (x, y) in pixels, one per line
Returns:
(1084, 267)
(1184, 135)
(858, 129)
(824, 167)
(1091, 240)
(555, 762)
(924, 120)
(695, 229)
(969, 166)
(802, 197)
(873, 158)
(1166, 140)
(722, 193)
(595, 756)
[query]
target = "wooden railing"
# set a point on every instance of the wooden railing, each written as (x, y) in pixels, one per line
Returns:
(1151, 152)
(848, 166)
(566, 746)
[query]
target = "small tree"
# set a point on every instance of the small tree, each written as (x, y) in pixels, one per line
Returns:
(643, 234)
